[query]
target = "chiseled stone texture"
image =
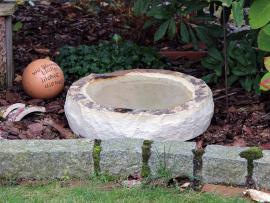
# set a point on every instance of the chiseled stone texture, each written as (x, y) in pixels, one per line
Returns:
(185, 121)
(46, 159)
(261, 173)
(223, 164)
(177, 157)
(121, 157)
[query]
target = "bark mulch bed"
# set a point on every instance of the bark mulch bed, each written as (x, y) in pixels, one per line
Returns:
(47, 27)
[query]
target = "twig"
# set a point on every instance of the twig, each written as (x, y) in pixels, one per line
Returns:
(225, 96)
(225, 58)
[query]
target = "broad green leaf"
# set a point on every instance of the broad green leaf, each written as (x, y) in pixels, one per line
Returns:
(267, 63)
(195, 7)
(160, 13)
(266, 29)
(193, 38)
(259, 13)
(265, 82)
(160, 33)
(148, 24)
(247, 83)
(184, 32)
(203, 35)
(214, 53)
(172, 29)
(210, 78)
(232, 79)
(140, 7)
(237, 10)
(263, 41)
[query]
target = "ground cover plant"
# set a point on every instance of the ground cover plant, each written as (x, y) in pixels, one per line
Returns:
(107, 56)
(89, 191)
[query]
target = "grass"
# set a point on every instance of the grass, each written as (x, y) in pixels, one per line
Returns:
(86, 191)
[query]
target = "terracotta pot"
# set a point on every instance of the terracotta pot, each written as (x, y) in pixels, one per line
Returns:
(192, 55)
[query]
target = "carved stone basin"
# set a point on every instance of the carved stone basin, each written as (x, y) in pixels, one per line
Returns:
(147, 104)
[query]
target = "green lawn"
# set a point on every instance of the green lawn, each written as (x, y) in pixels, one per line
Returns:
(90, 192)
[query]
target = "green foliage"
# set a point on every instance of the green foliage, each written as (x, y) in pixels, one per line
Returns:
(259, 14)
(265, 81)
(180, 19)
(259, 18)
(107, 57)
(242, 61)
(17, 26)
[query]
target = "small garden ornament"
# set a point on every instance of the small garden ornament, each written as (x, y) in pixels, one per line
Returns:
(43, 79)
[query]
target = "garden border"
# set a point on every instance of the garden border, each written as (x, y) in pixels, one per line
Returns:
(80, 158)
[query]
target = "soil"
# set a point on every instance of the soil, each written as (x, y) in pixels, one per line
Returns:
(49, 26)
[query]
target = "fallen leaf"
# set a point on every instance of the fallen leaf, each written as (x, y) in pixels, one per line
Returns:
(18, 78)
(35, 128)
(64, 132)
(185, 185)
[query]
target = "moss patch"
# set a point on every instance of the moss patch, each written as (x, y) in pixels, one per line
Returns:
(96, 156)
(146, 153)
(197, 168)
(251, 154)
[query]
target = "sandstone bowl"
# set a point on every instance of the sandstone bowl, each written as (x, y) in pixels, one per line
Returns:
(148, 104)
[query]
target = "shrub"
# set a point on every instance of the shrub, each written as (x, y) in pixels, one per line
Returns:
(107, 57)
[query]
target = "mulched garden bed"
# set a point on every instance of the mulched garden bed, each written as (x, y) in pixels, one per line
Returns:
(47, 27)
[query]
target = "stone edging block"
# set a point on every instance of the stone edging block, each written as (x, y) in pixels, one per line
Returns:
(121, 157)
(176, 157)
(261, 173)
(223, 164)
(41, 159)
(53, 159)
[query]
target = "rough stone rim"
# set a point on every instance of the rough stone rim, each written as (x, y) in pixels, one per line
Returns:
(201, 91)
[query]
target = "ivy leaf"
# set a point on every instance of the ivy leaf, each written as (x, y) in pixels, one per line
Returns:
(267, 63)
(265, 82)
(264, 41)
(160, 33)
(184, 32)
(259, 14)
(237, 10)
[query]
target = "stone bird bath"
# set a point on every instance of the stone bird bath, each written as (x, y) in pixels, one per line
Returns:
(148, 104)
